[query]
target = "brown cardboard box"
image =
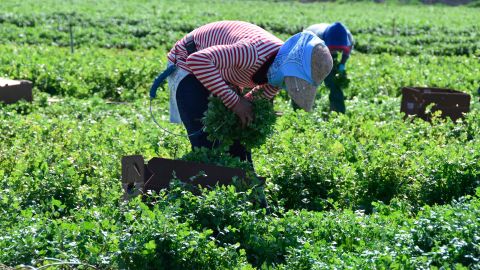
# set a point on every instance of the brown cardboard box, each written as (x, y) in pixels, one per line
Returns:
(452, 103)
(157, 173)
(138, 177)
(12, 91)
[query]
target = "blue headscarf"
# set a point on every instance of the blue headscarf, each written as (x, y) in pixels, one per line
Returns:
(294, 59)
(336, 35)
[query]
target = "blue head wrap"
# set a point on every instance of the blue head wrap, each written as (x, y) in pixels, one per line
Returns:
(336, 35)
(294, 59)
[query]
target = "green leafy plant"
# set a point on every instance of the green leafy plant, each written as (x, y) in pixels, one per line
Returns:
(223, 126)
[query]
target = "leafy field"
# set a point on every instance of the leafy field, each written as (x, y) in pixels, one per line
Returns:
(158, 24)
(364, 190)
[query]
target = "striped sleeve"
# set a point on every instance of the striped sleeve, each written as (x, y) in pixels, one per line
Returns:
(269, 91)
(207, 63)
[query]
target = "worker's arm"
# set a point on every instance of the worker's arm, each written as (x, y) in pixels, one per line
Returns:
(343, 61)
(207, 63)
(346, 53)
(269, 91)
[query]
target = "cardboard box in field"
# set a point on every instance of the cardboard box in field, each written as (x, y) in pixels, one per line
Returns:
(12, 91)
(452, 103)
(158, 172)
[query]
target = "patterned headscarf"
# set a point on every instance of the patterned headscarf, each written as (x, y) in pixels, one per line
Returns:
(294, 59)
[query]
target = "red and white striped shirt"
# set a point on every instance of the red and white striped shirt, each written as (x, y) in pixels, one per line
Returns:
(228, 52)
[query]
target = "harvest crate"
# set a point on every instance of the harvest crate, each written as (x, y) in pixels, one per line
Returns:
(12, 91)
(452, 103)
(138, 177)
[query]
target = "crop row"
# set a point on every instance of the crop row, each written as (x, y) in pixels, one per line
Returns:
(221, 230)
(126, 75)
(155, 37)
(398, 30)
(113, 74)
(370, 18)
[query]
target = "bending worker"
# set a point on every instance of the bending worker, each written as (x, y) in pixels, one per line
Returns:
(338, 39)
(221, 58)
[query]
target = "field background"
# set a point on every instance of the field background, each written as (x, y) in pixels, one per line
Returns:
(363, 190)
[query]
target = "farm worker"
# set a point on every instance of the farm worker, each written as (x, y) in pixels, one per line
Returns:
(221, 58)
(338, 39)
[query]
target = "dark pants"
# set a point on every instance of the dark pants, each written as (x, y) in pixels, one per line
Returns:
(336, 97)
(192, 102)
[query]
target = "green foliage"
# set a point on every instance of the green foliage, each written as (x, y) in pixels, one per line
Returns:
(158, 240)
(107, 74)
(341, 79)
(364, 190)
(390, 239)
(358, 158)
(216, 157)
(224, 126)
(127, 75)
(377, 28)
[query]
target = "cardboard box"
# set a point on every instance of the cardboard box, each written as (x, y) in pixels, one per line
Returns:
(138, 177)
(12, 91)
(452, 103)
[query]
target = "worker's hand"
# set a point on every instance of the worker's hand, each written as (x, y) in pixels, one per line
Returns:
(243, 109)
(341, 68)
(249, 96)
